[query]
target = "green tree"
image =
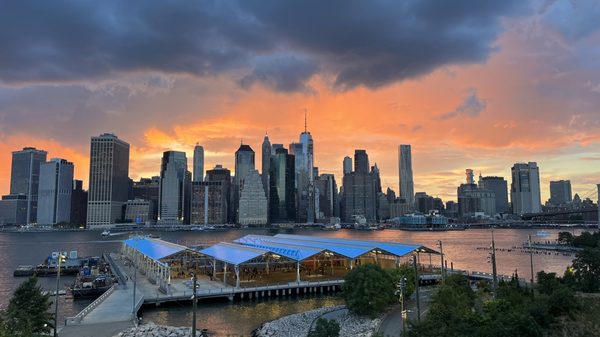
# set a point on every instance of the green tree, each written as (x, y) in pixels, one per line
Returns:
(27, 313)
(325, 328)
(368, 290)
(565, 238)
(586, 269)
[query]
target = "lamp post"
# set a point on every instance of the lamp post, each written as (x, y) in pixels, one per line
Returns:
(440, 244)
(133, 313)
(60, 259)
(195, 280)
(402, 286)
(494, 273)
(531, 260)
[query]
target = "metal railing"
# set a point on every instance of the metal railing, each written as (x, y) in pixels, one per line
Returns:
(115, 269)
(79, 317)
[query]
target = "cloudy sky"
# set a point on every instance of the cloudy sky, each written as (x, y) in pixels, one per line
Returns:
(470, 84)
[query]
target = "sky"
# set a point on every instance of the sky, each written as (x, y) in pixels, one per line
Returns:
(469, 84)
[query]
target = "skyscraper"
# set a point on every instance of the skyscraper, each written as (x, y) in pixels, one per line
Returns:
(79, 199)
(223, 175)
(304, 158)
(56, 187)
(198, 163)
(266, 163)
(407, 189)
(525, 188)
(361, 161)
(359, 190)
(148, 189)
(209, 202)
(244, 163)
(347, 165)
(174, 188)
(499, 186)
(109, 180)
(560, 192)
(25, 177)
(282, 192)
(253, 202)
(326, 190)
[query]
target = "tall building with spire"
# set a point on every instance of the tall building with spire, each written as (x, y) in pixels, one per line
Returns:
(405, 175)
(305, 187)
(198, 163)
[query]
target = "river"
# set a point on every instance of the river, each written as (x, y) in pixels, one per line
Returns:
(462, 248)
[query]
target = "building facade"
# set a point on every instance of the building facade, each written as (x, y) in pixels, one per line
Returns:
(148, 189)
(473, 200)
(326, 196)
(13, 209)
(55, 190)
(282, 187)
(405, 174)
(138, 211)
(253, 202)
(347, 165)
(525, 188)
(79, 199)
(360, 195)
(25, 177)
(500, 188)
(560, 193)
(209, 202)
(109, 180)
(223, 175)
(266, 164)
(174, 189)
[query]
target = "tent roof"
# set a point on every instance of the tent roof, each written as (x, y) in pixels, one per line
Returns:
(154, 248)
(293, 252)
(233, 253)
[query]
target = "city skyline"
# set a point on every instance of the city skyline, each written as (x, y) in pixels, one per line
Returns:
(522, 86)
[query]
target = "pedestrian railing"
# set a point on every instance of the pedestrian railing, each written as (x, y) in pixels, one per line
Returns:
(79, 317)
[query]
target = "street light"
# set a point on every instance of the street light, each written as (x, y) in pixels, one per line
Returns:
(493, 256)
(531, 260)
(61, 259)
(194, 279)
(133, 313)
(417, 287)
(402, 286)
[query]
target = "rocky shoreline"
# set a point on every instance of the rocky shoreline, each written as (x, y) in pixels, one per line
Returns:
(153, 330)
(298, 325)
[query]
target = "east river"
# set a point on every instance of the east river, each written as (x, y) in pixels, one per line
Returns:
(463, 248)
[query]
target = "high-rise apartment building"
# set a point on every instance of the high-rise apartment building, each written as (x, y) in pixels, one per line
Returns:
(55, 190)
(560, 193)
(525, 188)
(198, 163)
(109, 180)
(25, 177)
(499, 186)
(407, 189)
(174, 188)
(253, 202)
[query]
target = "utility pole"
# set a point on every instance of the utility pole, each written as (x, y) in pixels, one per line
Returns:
(60, 259)
(194, 279)
(494, 273)
(531, 261)
(417, 287)
(402, 286)
(133, 313)
(442, 259)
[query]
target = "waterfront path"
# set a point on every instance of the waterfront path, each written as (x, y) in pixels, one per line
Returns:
(392, 325)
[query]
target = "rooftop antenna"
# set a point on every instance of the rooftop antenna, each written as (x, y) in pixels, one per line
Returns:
(305, 127)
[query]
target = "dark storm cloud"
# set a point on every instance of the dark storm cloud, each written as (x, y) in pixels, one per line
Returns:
(369, 43)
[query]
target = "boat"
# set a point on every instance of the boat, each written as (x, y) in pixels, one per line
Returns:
(106, 233)
(197, 228)
(87, 286)
(542, 233)
(24, 271)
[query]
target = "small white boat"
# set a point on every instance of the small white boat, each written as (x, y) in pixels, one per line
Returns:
(542, 233)
(106, 233)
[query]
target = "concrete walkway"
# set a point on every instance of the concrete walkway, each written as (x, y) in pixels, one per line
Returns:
(392, 325)
(95, 330)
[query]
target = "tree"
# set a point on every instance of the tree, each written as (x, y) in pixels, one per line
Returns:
(368, 290)
(586, 269)
(565, 238)
(27, 313)
(325, 328)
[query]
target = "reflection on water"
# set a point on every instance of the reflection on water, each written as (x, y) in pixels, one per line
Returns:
(237, 318)
(460, 248)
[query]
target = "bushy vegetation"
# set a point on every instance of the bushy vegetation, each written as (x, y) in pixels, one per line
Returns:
(27, 313)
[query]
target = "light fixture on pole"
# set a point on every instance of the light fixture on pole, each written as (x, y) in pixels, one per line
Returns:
(441, 245)
(531, 261)
(60, 259)
(194, 281)
(417, 287)
(402, 288)
(494, 273)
